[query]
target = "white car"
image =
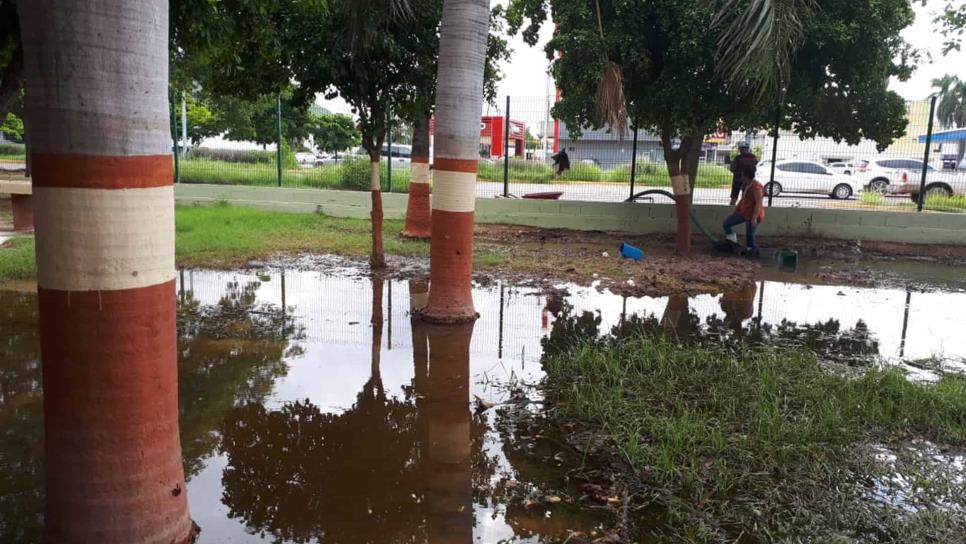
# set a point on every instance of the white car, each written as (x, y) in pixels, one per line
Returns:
(305, 159)
(882, 175)
(906, 178)
(800, 176)
(842, 168)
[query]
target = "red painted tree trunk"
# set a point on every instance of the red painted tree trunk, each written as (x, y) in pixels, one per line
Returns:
(449, 486)
(418, 215)
(97, 107)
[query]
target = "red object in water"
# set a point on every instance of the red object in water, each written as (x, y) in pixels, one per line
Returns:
(549, 195)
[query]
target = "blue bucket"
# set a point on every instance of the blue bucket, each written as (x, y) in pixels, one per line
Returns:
(630, 252)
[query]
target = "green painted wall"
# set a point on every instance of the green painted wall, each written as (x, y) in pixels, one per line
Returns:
(908, 227)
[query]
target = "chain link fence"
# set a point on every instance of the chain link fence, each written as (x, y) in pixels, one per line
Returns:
(923, 170)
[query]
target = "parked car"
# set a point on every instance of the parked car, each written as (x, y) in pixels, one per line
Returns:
(401, 154)
(305, 159)
(845, 168)
(876, 176)
(906, 178)
(799, 176)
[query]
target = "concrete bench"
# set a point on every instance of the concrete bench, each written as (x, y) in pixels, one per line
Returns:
(20, 191)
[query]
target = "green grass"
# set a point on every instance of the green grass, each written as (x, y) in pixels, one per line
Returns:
(955, 203)
(17, 258)
(648, 173)
(340, 176)
(225, 236)
(872, 198)
(766, 443)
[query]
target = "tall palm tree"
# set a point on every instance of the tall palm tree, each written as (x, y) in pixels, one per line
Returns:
(96, 101)
(459, 104)
(951, 109)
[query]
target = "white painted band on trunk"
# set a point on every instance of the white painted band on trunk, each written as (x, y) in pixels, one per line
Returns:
(104, 239)
(374, 177)
(97, 74)
(454, 191)
(681, 184)
(419, 173)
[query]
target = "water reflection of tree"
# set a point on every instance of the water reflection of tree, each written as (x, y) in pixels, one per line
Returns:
(735, 327)
(388, 469)
(230, 353)
(21, 420)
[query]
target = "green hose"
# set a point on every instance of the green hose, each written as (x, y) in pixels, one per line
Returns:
(668, 194)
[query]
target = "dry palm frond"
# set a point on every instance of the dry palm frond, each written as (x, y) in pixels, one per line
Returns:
(611, 104)
(757, 41)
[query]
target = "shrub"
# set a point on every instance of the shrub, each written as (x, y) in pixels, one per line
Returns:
(12, 150)
(232, 155)
(355, 174)
(582, 172)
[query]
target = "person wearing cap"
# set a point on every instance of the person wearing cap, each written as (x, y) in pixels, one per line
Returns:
(745, 158)
(750, 211)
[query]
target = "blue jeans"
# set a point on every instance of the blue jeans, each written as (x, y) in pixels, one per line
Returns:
(750, 229)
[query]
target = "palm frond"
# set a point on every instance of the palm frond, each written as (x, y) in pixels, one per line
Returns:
(611, 104)
(757, 40)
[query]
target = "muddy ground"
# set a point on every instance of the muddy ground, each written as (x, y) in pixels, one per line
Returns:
(546, 257)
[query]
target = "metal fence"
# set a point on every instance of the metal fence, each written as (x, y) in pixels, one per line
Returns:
(923, 170)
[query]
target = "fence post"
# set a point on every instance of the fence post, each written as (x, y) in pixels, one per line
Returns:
(633, 161)
(506, 149)
(925, 159)
(177, 145)
(774, 151)
(278, 145)
(389, 150)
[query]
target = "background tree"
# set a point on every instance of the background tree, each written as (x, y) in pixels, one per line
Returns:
(678, 87)
(11, 57)
(951, 110)
(334, 132)
(952, 21)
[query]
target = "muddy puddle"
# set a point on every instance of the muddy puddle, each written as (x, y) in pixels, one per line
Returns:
(313, 409)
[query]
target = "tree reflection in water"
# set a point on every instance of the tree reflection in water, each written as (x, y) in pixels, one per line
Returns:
(387, 470)
(736, 327)
(229, 352)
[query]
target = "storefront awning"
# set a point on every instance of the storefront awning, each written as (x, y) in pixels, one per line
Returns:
(954, 135)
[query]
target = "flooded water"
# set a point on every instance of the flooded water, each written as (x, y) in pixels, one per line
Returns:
(313, 409)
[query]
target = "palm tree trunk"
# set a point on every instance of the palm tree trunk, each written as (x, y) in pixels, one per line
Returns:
(418, 215)
(459, 101)
(97, 86)
(449, 486)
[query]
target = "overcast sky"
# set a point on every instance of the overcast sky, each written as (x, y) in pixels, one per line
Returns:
(525, 75)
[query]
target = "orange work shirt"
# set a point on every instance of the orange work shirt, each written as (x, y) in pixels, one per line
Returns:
(747, 205)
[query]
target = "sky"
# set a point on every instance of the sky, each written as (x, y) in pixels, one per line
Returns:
(525, 75)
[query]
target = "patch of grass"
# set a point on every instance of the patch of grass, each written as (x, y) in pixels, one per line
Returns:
(955, 203)
(872, 198)
(224, 236)
(769, 444)
(339, 176)
(231, 236)
(17, 258)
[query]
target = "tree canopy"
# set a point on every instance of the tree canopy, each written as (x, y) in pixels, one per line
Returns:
(669, 60)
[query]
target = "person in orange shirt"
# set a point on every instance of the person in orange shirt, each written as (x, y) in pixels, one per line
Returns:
(750, 211)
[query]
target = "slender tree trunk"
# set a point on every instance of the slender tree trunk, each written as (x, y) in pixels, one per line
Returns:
(418, 215)
(97, 86)
(682, 165)
(377, 324)
(459, 98)
(449, 486)
(377, 260)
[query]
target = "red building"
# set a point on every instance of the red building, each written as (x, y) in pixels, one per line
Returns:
(492, 131)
